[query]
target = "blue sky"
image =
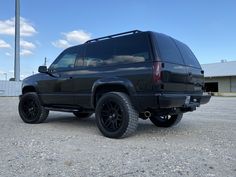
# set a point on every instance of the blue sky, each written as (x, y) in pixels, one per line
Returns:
(208, 27)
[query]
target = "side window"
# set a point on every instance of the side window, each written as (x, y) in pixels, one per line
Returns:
(121, 50)
(189, 57)
(98, 53)
(168, 49)
(131, 49)
(80, 54)
(79, 62)
(64, 61)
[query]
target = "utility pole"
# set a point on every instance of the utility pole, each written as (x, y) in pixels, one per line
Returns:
(17, 41)
(45, 61)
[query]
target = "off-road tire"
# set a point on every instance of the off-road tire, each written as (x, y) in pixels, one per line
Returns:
(30, 109)
(116, 104)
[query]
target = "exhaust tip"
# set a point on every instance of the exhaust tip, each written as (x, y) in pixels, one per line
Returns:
(147, 114)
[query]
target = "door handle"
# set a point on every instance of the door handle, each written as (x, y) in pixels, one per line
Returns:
(190, 76)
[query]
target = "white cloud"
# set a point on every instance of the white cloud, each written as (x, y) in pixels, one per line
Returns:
(7, 27)
(4, 44)
(72, 38)
(8, 54)
(78, 36)
(61, 43)
(26, 52)
(27, 45)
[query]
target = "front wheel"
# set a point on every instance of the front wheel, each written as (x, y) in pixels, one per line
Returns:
(166, 120)
(31, 110)
(115, 115)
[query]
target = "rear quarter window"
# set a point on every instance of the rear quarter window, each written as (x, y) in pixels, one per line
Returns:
(131, 49)
(98, 53)
(189, 57)
(168, 49)
(120, 50)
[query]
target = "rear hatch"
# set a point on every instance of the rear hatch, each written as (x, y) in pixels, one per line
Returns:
(175, 68)
(195, 74)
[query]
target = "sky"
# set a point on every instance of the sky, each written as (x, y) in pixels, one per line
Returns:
(208, 27)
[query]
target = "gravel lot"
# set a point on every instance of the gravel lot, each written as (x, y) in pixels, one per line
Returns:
(203, 144)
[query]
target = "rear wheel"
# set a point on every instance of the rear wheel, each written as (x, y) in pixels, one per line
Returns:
(82, 115)
(30, 109)
(166, 120)
(115, 115)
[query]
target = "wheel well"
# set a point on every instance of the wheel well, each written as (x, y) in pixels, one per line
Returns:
(28, 89)
(108, 88)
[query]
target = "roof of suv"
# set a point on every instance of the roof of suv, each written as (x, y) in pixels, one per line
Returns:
(112, 36)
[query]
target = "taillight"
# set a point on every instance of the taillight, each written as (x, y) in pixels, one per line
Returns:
(156, 72)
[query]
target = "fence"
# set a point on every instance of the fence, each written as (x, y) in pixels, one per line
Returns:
(10, 88)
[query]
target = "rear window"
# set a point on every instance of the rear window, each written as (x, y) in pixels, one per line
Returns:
(189, 57)
(168, 49)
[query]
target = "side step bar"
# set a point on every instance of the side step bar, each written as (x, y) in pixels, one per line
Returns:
(62, 109)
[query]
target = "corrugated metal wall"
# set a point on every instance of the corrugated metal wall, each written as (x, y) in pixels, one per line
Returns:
(225, 84)
(10, 88)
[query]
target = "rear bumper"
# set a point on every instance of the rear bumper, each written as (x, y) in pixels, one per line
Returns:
(170, 101)
(165, 101)
(205, 98)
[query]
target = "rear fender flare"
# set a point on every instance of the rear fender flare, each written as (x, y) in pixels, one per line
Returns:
(108, 83)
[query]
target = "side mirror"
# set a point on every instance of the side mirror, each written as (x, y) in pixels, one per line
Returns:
(42, 69)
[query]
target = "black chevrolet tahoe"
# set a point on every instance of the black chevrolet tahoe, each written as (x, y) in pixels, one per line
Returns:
(120, 78)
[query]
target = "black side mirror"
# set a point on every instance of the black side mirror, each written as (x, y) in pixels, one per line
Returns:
(42, 69)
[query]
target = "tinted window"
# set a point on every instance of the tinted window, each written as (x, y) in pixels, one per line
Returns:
(126, 49)
(65, 60)
(80, 52)
(98, 53)
(168, 49)
(131, 49)
(189, 57)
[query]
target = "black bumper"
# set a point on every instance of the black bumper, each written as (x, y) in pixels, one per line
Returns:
(164, 101)
(170, 101)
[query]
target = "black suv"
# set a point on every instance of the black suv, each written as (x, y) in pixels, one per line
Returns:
(121, 78)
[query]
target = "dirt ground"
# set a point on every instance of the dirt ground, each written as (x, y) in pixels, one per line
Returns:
(203, 144)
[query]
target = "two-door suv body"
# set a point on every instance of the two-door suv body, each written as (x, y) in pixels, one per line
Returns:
(120, 78)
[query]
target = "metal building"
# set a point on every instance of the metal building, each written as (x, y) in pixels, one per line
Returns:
(220, 77)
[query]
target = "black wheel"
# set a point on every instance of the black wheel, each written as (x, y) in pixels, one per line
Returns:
(30, 109)
(82, 115)
(115, 115)
(166, 120)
